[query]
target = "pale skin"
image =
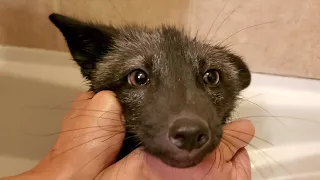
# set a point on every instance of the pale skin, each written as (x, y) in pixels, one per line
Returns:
(92, 135)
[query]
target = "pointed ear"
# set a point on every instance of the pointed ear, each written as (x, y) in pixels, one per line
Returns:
(243, 71)
(87, 42)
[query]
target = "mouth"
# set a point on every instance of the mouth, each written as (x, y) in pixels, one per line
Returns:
(182, 149)
(182, 163)
(182, 159)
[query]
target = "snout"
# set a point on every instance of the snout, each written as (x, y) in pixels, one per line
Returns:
(189, 134)
(184, 143)
(188, 142)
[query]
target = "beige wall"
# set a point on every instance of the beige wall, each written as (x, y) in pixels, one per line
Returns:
(290, 46)
(25, 23)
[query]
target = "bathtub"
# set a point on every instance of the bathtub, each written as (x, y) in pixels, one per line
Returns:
(285, 112)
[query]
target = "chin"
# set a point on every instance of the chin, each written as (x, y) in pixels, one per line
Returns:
(181, 164)
(179, 159)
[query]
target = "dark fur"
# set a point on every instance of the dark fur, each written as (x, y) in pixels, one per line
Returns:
(175, 64)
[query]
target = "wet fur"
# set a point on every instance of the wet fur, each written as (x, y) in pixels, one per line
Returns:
(175, 64)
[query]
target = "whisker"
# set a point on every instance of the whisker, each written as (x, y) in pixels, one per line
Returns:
(232, 152)
(125, 160)
(69, 102)
(265, 111)
(287, 117)
(224, 20)
(209, 170)
(215, 157)
(96, 110)
(259, 171)
(246, 28)
(100, 130)
(244, 168)
(226, 139)
(80, 109)
(216, 19)
(273, 160)
(118, 12)
(99, 155)
(124, 138)
(244, 43)
(248, 135)
(220, 157)
(235, 113)
(138, 144)
(257, 149)
(84, 115)
(196, 35)
(223, 141)
(251, 97)
(236, 174)
(86, 134)
(72, 130)
(59, 105)
(65, 131)
(101, 117)
(85, 143)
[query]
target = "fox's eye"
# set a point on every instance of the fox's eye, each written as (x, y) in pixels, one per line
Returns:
(138, 77)
(211, 77)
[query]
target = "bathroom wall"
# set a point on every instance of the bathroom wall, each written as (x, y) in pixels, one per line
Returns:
(25, 23)
(287, 45)
(284, 41)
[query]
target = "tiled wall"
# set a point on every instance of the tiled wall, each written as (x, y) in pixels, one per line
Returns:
(288, 46)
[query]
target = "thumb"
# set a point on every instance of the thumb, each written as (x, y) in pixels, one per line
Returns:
(241, 164)
(236, 135)
(91, 137)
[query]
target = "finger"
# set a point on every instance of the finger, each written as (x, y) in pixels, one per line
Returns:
(132, 167)
(90, 139)
(80, 101)
(241, 163)
(236, 135)
(139, 165)
(81, 98)
(151, 168)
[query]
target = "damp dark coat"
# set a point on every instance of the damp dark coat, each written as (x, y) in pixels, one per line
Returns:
(175, 65)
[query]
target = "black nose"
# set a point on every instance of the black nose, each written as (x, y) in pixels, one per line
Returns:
(189, 134)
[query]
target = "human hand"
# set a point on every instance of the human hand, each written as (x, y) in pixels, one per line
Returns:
(92, 135)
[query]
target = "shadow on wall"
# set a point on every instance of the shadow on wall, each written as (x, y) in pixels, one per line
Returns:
(25, 112)
(35, 57)
(25, 23)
